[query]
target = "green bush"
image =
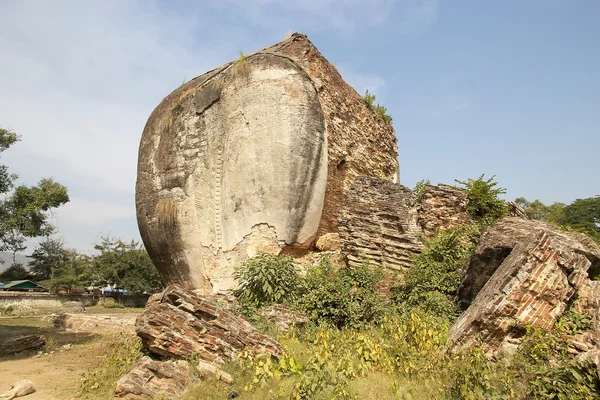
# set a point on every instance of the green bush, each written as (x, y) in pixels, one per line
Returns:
(482, 201)
(345, 298)
(379, 109)
(573, 323)
(432, 282)
(267, 279)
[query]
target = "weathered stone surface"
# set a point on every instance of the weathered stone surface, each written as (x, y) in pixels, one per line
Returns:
(72, 307)
(209, 370)
(150, 379)
(442, 207)
(19, 389)
(497, 242)
(21, 343)
(95, 323)
(329, 242)
(179, 323)
(533, 285)
(256, 155)
(378, 224)
(283, 317)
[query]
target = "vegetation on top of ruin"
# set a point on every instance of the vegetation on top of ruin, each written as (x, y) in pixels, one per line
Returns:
(380, 110)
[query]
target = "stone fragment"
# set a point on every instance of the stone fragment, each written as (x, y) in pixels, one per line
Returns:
(533, 285)
(72, 307)
(149, 379)
(21, 343)
(328, 242)
(378, 225)
(256, 155)
(382, 224)
(208, 370)
(103, 324)
(20, 389)
(180, 323)
(497, 242)
(441, 207)
(283, 317)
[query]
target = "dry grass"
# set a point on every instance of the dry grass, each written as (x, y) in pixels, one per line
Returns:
(166, 213)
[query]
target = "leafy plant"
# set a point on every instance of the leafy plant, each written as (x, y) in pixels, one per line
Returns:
(344, 298)
(419, 190)
(482, 201)
(433, 280)
(267, 279)
(573, 323)
(380, 110)
(121, 354)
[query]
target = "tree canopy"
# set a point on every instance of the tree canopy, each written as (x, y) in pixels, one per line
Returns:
(24, 209)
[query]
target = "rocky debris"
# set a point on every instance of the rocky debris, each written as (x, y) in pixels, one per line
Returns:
(514, 210)
(105, 324)
(20, 389)
(328, 242)
(16, 309)
(21, 343)
(441, 207)
(498, 241)
(283, 317)
(179, 323)
(593, 356)
(149, 379)
(314, 134)
(378, 225)
(72, 307)
(208, 370)
(533, 285)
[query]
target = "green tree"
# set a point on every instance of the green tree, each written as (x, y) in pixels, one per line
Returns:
(24, 209)
(15, 272)
(46, 257)
(584, 215)
(482, 201)
(126, 266)
(539, 211)
(72, 272)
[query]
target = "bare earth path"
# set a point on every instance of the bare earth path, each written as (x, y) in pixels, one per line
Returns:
(57, 374)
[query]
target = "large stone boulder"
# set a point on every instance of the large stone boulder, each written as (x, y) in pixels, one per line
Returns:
(498, 241)
(533, 285)
(150, 379)
(256, 155)
(179, 323)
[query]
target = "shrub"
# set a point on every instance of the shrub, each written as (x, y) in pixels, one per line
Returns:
(482, 201)
(380, 110)
(109, 302)
(121, 354)
(267, 279)
(419, 190)
(345, 298)
(573, 323)
(432, 282)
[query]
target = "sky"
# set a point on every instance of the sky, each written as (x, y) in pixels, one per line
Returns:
(503, 87)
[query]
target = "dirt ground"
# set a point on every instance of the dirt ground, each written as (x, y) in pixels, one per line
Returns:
(56, 374)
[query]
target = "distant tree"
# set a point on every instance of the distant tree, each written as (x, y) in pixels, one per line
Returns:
(584, 215)
(539, 211)
(74, 271)
(46, 257)
(126, 265)
(15, 272)
(24, 209)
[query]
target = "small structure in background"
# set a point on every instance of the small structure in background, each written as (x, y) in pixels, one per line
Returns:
(22, 286)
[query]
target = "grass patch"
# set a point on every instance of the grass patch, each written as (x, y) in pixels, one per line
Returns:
(120, 354)
(166, 213)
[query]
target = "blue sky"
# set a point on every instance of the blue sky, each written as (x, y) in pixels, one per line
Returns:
(505, 87)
